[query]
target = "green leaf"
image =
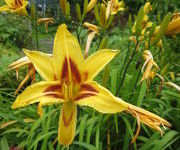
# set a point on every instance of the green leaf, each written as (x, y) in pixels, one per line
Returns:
(142, 93)
(4, 144)
(139, 20)
(85, 145)
(96, 13)
(78, 12)
(81, 129)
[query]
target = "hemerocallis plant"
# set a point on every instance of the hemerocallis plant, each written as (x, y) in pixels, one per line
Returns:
(69, 81)
(15, 6)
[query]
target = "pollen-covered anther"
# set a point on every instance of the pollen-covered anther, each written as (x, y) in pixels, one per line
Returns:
(67, 90)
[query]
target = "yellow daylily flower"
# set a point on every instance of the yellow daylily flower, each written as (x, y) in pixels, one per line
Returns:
(149, 63)
(69, 80)
(91, 5)
(15, 6)
(93, 29)
(117, 6)
(113, 7)
(46, 22)
(147, 7)
(174, 26)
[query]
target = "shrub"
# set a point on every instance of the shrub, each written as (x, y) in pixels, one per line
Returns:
(15, 29)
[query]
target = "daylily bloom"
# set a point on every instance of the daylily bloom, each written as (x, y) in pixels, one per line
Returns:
(46, 22)
(147, 7)
(174, 26)
(91, 5)
(149, 63)
(15, 6)
(113, 7)
(93, 29)
(69, 80)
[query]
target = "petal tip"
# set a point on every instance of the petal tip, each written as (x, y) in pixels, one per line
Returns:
(62, 26)
(13, 106)
(26, 51)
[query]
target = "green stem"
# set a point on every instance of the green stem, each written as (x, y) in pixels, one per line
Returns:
(37, 39)
(135, 85)
(126, 68)
(79, 33)
(100, 40)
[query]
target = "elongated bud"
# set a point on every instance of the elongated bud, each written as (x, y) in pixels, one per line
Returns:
(91, 5)
(85, 7)
(78, 12)
(96, 13)
(63, 5)
(33, 11)
(67, 10)
(162, 29)
(103, 16)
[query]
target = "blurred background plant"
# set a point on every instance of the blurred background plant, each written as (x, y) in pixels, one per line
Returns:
(24, 129)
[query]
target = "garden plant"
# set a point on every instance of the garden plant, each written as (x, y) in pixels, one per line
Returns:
(89, 74)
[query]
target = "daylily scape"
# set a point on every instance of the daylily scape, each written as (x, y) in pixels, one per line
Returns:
(68, 80)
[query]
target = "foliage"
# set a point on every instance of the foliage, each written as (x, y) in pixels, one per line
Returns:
(15, 30)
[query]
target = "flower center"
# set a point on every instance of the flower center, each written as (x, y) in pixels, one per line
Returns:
(69, 90)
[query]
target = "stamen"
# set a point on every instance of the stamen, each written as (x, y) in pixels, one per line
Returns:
(68, 90)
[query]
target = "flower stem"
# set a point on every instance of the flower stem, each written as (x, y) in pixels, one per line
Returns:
(126, 68)
(135, 84)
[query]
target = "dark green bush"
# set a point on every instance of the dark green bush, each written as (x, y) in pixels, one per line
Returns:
(15, 29)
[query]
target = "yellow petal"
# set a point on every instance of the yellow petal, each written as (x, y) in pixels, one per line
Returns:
(88, 43)
(97, 61)
(4, 8)
(30, 73)
(36, 92)
(147, 7)
(46, 101)
(9, 2)
(173, 27)
(67, 123)
(147, 117)
(42, 63)
(147, 71)
(20, 62)
(68, 58)
(99, 98)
